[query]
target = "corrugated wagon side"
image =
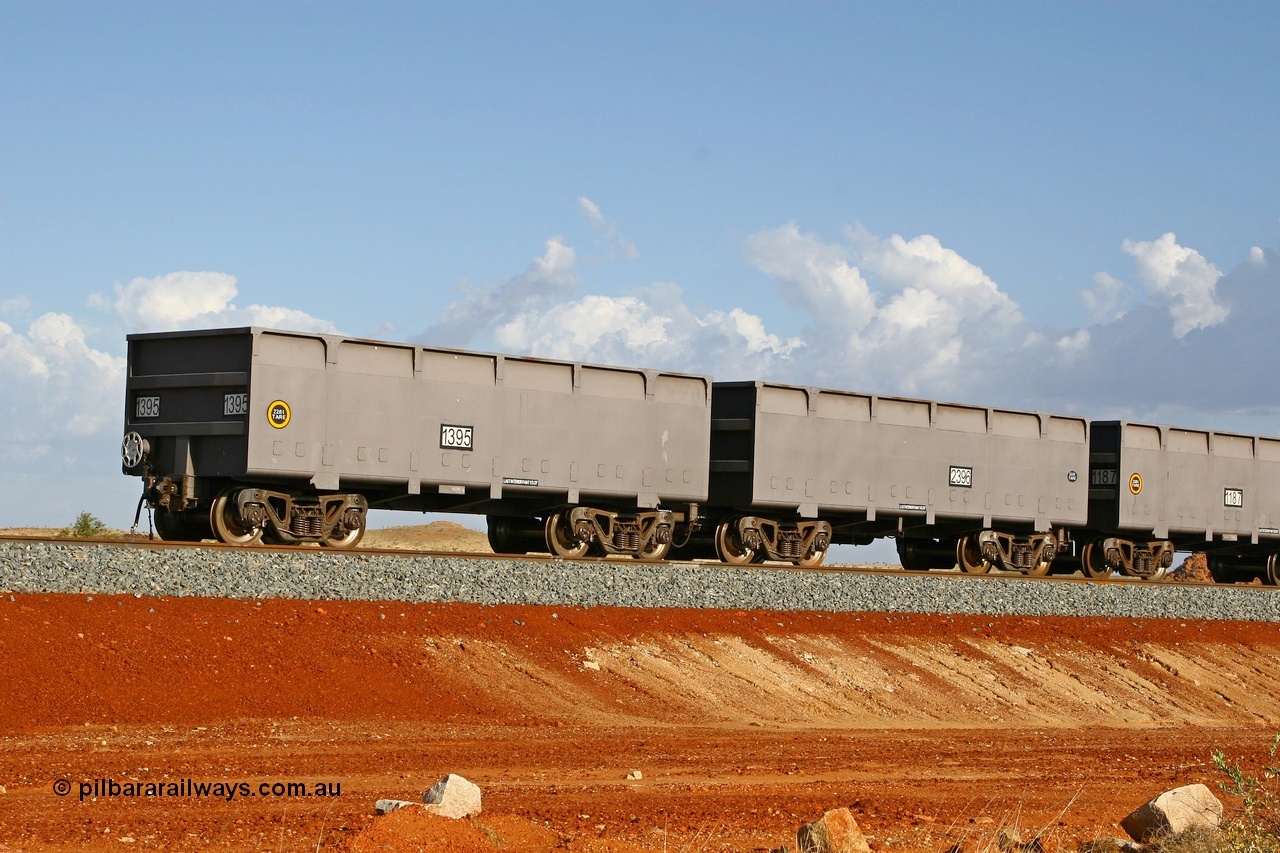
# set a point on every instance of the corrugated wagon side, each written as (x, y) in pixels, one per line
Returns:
(982, 486)
(245, 433)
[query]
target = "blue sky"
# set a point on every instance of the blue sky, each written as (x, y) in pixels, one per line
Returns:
(1061, 206)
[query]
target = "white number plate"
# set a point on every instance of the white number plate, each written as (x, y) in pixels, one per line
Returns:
(1104, 477)
(1233, 497)
(455, 437)
(146, 407)
(962, 477)
(235, 404)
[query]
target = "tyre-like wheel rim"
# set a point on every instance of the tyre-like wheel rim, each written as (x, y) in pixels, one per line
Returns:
(729, 545)
(969, 557)
(1040, 569)
(349, 539)
(654, 551)
(812, 559)
(562, 542)
(1271, 577)
(225, 527)
(1092, 563)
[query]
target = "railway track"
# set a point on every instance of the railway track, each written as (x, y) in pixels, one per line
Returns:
(829, 568)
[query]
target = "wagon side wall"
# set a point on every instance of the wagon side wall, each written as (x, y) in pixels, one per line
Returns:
(839, 454)
(1187, 484)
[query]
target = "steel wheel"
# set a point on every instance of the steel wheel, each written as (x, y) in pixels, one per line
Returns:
(1040, 569)
(969, 557)
(562, 541)
(653, 551)
(1093, 562)
(350, 539)
(225, 526)
(1271, 575)
(812, 559)
(729, 545)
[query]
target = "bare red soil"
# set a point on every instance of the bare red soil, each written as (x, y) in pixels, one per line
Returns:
(744, 725)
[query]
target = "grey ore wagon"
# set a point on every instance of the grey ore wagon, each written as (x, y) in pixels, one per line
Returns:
(1154, 489)
(253, 434)
(794, 466)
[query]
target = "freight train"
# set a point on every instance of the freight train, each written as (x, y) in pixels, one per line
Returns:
(253, 435)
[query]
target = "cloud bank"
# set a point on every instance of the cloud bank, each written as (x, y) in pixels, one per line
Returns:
(1180, 341)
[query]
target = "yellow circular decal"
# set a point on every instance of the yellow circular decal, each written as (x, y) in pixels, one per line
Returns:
(1135, 484)
(278, 414)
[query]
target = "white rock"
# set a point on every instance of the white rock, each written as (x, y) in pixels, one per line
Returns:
(453, 796)
(635, 775)
(1173, 813)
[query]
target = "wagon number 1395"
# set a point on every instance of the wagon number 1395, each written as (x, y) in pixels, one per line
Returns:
(456, 437)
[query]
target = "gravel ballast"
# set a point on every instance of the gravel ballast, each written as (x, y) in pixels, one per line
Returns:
(123, 569)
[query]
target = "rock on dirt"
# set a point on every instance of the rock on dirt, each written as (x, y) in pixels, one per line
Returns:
(1194, 569)
(388, 806)
(453, 796)
(1173, 813)
(835, 832)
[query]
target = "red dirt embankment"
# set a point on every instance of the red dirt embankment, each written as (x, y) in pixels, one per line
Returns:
(744, 724)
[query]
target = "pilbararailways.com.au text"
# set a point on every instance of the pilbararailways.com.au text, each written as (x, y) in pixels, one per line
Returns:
(190, 788)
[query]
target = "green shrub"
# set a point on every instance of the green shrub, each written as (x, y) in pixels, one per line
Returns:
(1256, 826)
(86, 526)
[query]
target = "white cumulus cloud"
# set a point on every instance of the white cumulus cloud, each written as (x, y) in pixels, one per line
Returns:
(1105, 300)
(196, 300)
(549, 280)
(56, 388)
(1180, 279)
(62, 394)
(814, 275)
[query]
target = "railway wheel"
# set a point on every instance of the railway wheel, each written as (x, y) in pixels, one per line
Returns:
(226, 527)
(1093, 563)
(969, 556)
(653, 551)
(1271, 574)
(561, 539)
(271, 537)
(1041, 568)
(812, 559)
(729, 545)
(350, 539)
